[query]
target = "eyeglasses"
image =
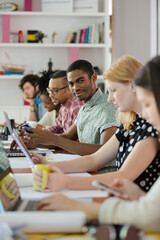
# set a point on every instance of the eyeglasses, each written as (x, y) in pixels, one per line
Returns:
(55, 91)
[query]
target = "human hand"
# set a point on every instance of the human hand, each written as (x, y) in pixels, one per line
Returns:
(56, 181)
(29, 100)
(10, 194)
(14, 145)
(57, 202)
(127, 187)
(44, 137)
(40, 127)
(27, 142)
(38, 158)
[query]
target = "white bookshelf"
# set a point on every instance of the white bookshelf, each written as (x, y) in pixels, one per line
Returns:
(36, 55)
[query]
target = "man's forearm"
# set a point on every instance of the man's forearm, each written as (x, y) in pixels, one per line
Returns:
(76, 147)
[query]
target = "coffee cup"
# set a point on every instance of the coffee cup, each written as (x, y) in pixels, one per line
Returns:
(3, 186)
(45, 170)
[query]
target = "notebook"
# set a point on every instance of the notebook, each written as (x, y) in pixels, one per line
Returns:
(18, 211)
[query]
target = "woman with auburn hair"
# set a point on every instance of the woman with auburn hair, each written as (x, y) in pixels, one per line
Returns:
(134, 145)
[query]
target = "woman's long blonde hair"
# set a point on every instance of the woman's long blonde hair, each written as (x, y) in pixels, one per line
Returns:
(124, 71)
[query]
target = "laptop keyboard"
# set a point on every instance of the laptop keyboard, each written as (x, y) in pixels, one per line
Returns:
(31, 206)
(25, 205)
(14, 152)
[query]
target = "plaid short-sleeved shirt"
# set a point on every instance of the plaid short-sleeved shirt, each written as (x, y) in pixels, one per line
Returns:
(95, 116)
(67, 116)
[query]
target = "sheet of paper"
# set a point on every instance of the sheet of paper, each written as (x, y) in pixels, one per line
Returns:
(29, 193)
(19, 162)
(57, 157)
(56, 221)
(22, 162)
(24, 182)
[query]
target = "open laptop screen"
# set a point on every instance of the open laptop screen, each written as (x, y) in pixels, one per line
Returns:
(23, 148)
(8, 122)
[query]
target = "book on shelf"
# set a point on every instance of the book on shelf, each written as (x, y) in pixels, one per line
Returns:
(69, 37)
(78, 36)
(73, 39)
(82, 40)
(92, 34)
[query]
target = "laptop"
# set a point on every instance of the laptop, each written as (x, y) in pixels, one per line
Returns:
(23, 148)
(20, 212)
(11, 152)
(15, 152)
(15, 203)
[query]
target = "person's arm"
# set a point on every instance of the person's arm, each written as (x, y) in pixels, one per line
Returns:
(60, 202)
(144, 149)
(48, 119)
(127, 187)
(88, 163)
(142, 155)
(144, 213)
(66, 142)
(84, 148)
(32, 114)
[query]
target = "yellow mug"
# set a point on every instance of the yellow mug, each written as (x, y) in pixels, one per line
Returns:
(3, 187)
(45, 169)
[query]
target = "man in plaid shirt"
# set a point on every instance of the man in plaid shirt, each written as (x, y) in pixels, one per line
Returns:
(59, 92)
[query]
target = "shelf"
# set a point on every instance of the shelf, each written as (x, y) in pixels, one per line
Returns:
(14, 76)
(53, 45)
(49, 14)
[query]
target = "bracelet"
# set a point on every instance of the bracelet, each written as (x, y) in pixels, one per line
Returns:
(32, 111)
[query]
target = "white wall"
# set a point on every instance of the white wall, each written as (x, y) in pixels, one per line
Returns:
(135, 29)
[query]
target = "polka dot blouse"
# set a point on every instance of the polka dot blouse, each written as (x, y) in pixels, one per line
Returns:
(141, 129)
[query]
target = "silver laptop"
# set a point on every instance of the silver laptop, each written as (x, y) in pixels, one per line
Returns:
(15, 203)
(23, 148)
(11, 152)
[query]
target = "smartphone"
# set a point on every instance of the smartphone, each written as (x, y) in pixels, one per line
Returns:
(106, 188)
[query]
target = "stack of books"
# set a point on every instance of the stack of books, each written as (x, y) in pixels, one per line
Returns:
(92, 34)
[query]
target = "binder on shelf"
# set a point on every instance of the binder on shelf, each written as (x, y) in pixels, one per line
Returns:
(55, 6)
(85, 6)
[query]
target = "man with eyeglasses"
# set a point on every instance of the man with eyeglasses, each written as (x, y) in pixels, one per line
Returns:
(59, 92)
(95, 122)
